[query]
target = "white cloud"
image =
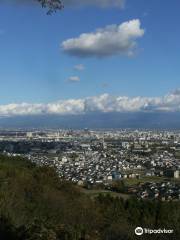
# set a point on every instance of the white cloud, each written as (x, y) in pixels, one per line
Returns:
(79, 67)
(108, 41)
(21, 109)
(71, 106)
(74, 79)
(98, 3)
(103, 103)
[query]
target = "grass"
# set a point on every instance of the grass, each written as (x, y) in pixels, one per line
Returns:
(94, 193)
(177, 154)
(133, 181)
(129, 182)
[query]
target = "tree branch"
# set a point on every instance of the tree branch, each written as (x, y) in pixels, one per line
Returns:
(51, 5)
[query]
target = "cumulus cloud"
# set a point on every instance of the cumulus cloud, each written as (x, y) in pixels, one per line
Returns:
(104, 104)
(74, 79)
(108, 41)
(79, 67)
(98, 3)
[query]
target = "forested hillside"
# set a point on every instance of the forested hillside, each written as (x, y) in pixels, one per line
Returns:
(35, 204)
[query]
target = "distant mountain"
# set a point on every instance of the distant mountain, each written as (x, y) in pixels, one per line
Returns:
(155, 120)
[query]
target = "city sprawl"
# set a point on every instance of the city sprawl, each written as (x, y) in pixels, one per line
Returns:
(143, 163)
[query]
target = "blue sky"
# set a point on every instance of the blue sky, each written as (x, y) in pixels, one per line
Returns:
(34, 68)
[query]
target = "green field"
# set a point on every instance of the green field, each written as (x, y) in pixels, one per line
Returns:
(94, 193)
(133, 181)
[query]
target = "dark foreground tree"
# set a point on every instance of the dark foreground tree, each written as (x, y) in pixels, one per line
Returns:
(7, 230)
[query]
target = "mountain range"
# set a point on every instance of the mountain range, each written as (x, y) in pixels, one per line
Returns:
(148, 120)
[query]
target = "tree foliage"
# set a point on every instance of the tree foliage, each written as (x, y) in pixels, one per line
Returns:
(36, 205)
(51, 5)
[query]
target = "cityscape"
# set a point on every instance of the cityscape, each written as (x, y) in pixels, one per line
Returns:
(147, 162)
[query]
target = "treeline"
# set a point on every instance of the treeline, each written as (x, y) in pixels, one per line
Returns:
(35, 204)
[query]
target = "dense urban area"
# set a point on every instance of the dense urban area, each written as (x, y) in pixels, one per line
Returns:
(142, 163)
(89, 185)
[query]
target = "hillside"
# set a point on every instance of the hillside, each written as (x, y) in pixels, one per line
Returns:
(35, 204)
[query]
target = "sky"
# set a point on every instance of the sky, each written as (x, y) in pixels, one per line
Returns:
(98, 55)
